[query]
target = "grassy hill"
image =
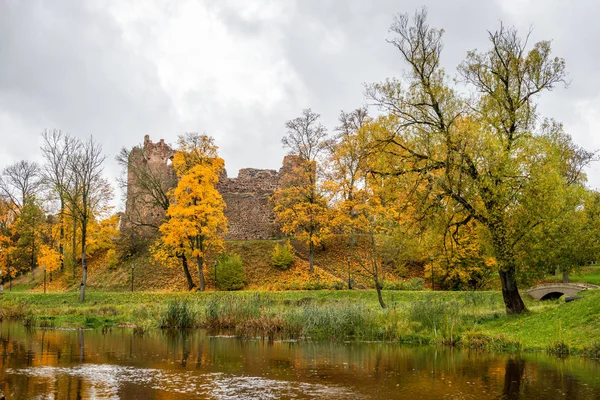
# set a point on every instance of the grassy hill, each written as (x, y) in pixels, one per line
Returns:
(331, 271)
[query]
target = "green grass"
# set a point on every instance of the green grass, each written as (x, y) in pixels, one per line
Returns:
(471, 319)
(590, 274)
(587, 275)
(576, 324)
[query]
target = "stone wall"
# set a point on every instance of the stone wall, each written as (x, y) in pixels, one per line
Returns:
(149, 173)
(247, 197)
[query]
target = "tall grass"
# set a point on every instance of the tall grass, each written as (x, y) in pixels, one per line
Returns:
(333, 321)
(437, 315)
(178, 315)
(246, 315)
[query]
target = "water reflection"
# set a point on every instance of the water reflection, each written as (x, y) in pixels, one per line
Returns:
(91, 364)
(512, 378)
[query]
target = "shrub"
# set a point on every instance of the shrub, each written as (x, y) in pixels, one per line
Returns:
(338, 285)
(229, 273)
(315, 285)
(112, 259)
(558, 348)
(283, 256)
(413, 284)
(178, 315)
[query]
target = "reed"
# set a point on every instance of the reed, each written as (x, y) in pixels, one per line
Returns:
(178, 315)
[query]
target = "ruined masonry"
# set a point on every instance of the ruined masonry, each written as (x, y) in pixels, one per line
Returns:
(248, 208)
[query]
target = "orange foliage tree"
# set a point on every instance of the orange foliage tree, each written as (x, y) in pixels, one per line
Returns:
(195, 219)
(49, 258)
(300, 206)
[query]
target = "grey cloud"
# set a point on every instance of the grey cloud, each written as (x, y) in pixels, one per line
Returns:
(64, 65)
(68, 65)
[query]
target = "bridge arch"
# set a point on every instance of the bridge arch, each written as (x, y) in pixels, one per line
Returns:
(551, 296)
(557, 290)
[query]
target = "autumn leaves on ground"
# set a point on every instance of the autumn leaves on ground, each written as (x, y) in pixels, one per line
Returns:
(445, 184)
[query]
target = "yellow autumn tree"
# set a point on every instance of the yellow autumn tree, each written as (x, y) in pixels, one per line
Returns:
(49, 258)
(5, 250)
(103, 234)
(301, 209)
(195, 219)
(300, 206)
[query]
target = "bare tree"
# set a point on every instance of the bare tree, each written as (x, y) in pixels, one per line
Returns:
(19, 181)
(86, 192)
(348, 152)
(305, 135)
(56, 176)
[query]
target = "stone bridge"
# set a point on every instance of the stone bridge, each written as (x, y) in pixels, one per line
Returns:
(555, 290)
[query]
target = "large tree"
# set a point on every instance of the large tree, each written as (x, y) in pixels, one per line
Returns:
(300, 206)
(483, 156)
(196, 221)
(57, 147)
(86, 192)
(19, 182)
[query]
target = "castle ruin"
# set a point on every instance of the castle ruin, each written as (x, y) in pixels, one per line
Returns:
(248, 207)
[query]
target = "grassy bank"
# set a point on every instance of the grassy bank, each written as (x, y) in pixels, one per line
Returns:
(470, 319)
(588, 274)
(330, 271)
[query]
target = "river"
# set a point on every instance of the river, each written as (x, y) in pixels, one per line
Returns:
(116, 364)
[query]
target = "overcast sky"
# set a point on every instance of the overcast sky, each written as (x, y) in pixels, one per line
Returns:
(237, 70)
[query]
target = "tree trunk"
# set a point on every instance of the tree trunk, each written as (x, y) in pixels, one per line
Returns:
(61, 249)
(512, 299)
(200, 261)
(83, 262)
(186, 271)
(507, 270)
(200, 264)
(74, 243)
(378, 285)
(379, 294)
(565, 276)
(311, 251)
(32, 253)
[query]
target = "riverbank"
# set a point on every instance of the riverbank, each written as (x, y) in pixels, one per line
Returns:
(467, 319)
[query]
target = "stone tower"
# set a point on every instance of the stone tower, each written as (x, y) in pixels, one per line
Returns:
(149, 176)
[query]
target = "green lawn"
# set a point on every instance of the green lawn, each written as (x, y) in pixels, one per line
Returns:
(576, 323)
(589, 274)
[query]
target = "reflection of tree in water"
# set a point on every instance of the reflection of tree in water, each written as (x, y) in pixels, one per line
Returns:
(512, 378)
(373, 369)
(178, 345)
